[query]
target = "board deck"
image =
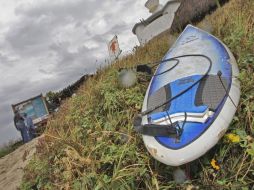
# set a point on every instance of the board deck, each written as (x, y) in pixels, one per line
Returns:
(209, 80)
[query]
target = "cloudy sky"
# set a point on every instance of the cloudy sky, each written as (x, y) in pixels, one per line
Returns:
(46, 45)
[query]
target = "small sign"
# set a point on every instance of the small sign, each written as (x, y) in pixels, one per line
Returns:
(113, 48)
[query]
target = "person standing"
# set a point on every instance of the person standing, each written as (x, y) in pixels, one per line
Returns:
(21, 126)
(30, 126)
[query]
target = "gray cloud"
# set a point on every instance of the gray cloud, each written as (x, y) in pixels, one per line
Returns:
(79, 10)
(5, 60)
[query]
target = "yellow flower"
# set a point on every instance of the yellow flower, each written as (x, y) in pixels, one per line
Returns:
(214, 164)
(233, 137)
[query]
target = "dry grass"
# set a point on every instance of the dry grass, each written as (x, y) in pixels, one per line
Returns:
(193, 11)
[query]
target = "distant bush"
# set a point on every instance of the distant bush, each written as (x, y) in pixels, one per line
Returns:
(54, 99)
(193, 11)
(10, 147)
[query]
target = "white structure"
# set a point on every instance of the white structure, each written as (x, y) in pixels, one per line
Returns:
(161, 19)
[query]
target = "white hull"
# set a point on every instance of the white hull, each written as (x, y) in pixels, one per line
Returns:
(208, 139)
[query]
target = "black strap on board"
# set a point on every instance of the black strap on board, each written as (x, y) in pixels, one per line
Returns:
(154, 129)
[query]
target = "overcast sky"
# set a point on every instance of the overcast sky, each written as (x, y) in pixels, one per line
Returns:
(46, 45)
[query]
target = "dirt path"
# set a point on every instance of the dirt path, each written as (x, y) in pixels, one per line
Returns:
(12, 165)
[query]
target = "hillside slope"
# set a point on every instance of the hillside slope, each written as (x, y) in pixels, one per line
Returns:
(13, 164)
(90, 142)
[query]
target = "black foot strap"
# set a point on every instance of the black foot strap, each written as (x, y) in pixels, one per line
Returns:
(154, 129)
(144, 69)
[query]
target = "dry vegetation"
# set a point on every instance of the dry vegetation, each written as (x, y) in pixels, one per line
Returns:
(90, 142)
(185, 14)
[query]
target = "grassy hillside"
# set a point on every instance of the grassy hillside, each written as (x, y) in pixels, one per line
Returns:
(90, 143)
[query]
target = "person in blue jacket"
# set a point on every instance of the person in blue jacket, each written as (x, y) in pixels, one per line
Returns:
(21, 126)
(30, 126)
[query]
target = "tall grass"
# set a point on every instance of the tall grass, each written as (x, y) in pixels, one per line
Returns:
(90, 142)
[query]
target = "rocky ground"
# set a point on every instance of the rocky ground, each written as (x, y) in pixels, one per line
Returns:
(12, 165)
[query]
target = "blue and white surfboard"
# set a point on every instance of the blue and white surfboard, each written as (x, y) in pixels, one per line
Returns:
(204, 111)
